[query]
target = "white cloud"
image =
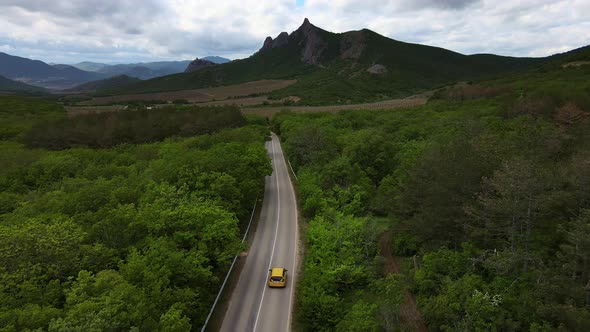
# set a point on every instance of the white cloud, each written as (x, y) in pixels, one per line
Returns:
(129, 31)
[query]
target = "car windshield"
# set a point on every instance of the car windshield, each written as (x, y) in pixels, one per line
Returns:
(276, 278)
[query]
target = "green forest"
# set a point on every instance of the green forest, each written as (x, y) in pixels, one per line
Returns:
(484, 190)
(123, 221)
(128, 221)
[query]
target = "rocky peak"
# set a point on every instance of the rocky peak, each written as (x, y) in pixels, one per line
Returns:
(281, 40)
(307, 36)
(312, 42)
(269, 43)
(197, 64)
(307, 28)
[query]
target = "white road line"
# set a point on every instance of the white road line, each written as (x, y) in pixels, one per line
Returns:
(276, 233)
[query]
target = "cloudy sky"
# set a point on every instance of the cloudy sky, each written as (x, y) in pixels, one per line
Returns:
(120, 31)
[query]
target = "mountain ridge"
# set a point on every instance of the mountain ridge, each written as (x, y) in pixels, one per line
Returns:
(144, 70)
(107, 83)
(39, 73)
(349, 67)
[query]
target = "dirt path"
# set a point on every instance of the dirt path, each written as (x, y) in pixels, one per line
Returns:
(409, 309)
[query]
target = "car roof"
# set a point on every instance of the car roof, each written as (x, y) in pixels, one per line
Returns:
(277, 271)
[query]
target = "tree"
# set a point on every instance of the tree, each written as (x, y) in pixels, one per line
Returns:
(432, 197)
(360, 318)
(510, 204)
(174, 321)
(103, 302)
(575, 251)
(310, 144)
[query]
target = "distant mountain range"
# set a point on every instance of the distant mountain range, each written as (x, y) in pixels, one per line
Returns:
(216, 59)
(39, 73)
(349, 67)
(138, 70)
(144, 70)
(61, 77)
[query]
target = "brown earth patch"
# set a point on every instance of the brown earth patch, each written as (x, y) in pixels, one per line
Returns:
(388, 104)
(79, 110)
(575, 64)
(409, 309)
(248, 102)
(198, 95)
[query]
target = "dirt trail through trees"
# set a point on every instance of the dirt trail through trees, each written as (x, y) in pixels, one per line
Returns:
(409, 309)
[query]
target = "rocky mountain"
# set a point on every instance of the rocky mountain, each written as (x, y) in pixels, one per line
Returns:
(353, 66)
(308, 36)
(39, 73)
(197, 64)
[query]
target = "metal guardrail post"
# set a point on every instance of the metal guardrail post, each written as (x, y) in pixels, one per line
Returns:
(230, 269)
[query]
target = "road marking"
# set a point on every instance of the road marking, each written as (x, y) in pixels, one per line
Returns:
(276, 233)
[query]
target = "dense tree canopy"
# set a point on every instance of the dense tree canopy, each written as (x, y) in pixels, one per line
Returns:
(489, 190)
(134, 237)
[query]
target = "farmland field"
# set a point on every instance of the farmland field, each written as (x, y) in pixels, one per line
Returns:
(198, 95)
(246, 106)
(386, 104)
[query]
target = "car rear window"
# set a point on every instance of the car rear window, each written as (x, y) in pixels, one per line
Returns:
(276, 278)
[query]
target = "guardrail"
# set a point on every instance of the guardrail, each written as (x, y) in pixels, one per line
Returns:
(230, 269)
(291, 167)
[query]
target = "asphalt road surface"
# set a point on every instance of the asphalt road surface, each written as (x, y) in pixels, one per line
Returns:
(253, 305)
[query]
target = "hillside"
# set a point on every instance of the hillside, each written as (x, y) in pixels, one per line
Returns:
(108, 83)
(39, 73)
(483, 191)
(8, 85)
(345, 67)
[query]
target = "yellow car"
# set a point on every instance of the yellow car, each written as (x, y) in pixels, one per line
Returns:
(277, 277)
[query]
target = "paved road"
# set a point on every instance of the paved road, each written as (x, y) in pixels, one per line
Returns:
(253, 305)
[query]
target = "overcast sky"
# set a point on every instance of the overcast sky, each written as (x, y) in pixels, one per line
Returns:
(121, 31)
